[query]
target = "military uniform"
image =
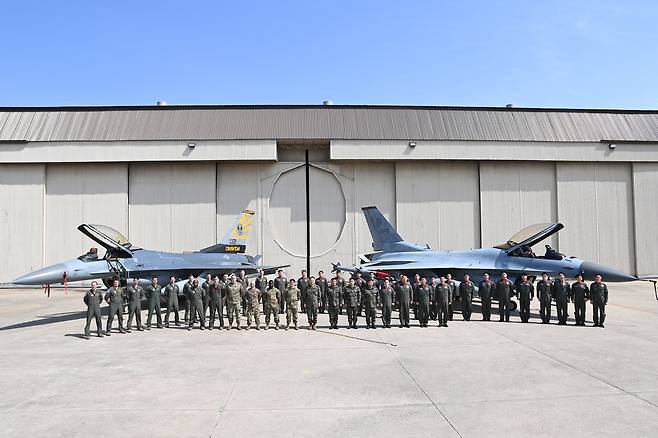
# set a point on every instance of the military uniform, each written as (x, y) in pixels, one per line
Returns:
(291, 296)
(443, 293)
(560, 293)
(186, 293)
(423, 294)
(485, 290)
(544, 296)
(93, 300)
(153, 295)
(599, 296)
(302, 285)
(233, 300)
(135, 295)
(114, 297)
(404, 293)
(352, 299)
(312, 302)
(579, 295)
(504, 289)
(466, 292)
(369, 300)
(171, 293)
(195, 297)
(386, 298)
(361, 284)
(253, 307)
(217, 300)
(282, 285)
(323, 285)
(453, 294)
(340, 282)
(271, 299)
(244, 284)
(333, 303)
(526, 292)
(206, 297)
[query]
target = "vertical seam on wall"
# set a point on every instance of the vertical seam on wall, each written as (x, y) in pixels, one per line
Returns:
(355, 233)
(633, 218)
(556, 204)
(596, 209)
(44, 247)
(216, 222)
(127, 224)
(480, 198)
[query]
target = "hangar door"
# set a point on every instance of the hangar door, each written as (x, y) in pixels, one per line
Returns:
(307, 207)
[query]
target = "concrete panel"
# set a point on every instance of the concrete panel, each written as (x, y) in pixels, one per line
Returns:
(514, 196)
(130, 151)
(374, 184)
(21, 219)
(437, 203)
(82, 193)
(595, 205)
(399, 150)
(645, 190)
(172, 206)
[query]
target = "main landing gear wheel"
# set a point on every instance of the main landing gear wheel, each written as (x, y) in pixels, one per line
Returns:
(512, 305)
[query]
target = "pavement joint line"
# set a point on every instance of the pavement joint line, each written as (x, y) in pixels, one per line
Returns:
(223, 408)
(535, 399)
(573, 367)
(357, 338)
(336, 408)
(438, 409)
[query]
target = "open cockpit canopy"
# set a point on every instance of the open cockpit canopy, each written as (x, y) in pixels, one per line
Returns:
(529, 236)
(108, 238)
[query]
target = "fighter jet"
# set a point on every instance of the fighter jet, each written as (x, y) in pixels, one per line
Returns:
(122, 259)
(394, 256)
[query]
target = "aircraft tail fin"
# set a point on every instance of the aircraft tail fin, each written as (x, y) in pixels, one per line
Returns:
(384, 236)
(235, 239)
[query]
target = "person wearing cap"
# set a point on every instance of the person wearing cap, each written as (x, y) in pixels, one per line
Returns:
(93, 298)
(579, 296)
(599, 296)
(153, 294)
(466, 292)
(544, 287)
(135, 294)
(560, 293)
(486, 288)
(114, 297)
(526, 292)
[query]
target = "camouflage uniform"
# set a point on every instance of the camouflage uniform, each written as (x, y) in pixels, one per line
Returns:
(352, 301)
(93, 301)
(312, 300)
(233, 303)
(253, 307)
(114, 297)
(369, 301)
(153, 295)
(333, 303)
(244, 283)
(271, 298)
(135, 295)
(291, 296)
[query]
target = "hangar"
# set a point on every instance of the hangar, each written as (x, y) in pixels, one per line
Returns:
(173, 178)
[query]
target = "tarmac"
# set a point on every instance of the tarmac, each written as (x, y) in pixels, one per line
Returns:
(472, 379)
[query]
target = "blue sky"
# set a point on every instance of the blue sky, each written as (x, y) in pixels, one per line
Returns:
(530, 53)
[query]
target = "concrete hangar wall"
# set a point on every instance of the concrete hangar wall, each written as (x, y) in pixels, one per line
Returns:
(449, 194)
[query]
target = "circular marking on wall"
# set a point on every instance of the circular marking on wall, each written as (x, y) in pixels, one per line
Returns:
(287, 210)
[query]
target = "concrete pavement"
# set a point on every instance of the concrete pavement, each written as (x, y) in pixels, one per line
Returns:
(471, 379)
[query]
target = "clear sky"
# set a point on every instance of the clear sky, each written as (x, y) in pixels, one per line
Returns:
(530, 53)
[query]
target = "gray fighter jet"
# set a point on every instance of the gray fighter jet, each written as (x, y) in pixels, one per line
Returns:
(393, 257)
(123, 260)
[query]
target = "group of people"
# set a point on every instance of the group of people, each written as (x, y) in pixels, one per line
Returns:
(233, 296)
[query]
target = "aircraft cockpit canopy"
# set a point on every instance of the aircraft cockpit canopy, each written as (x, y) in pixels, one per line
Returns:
(116, 244)
(520, 244)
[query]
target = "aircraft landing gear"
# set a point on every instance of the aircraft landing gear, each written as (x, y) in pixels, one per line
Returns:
(513, 306)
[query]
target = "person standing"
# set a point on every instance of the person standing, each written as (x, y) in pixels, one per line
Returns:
(369, 299)
(453, 293)
(233, 300)
(302, 285)
(206, 295)
(244, 285)
(253, 306)
(93, 298)
(466, 292)
(422, 296)
(505, 289)
(560, 293)
(340, 281)
(291, 296)
(599, 297)
(261, 284)
(443, 291)
(171, 292)
(195, 298)
(352, 301)
(153, 294)
(312, 303)
(281, 283)
(526, 292)
(114, 297)
(186, 293)
(579, 296)
(414, 292)
(544, 287)
(271, 299)
(333, 302)
(135, 295)
(485, 291)
(404, 293)
(387, 293)
(322, 283)
(216, 299)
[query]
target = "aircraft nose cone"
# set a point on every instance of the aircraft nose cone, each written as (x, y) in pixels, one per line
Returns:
(49, 275)
(590, 269)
